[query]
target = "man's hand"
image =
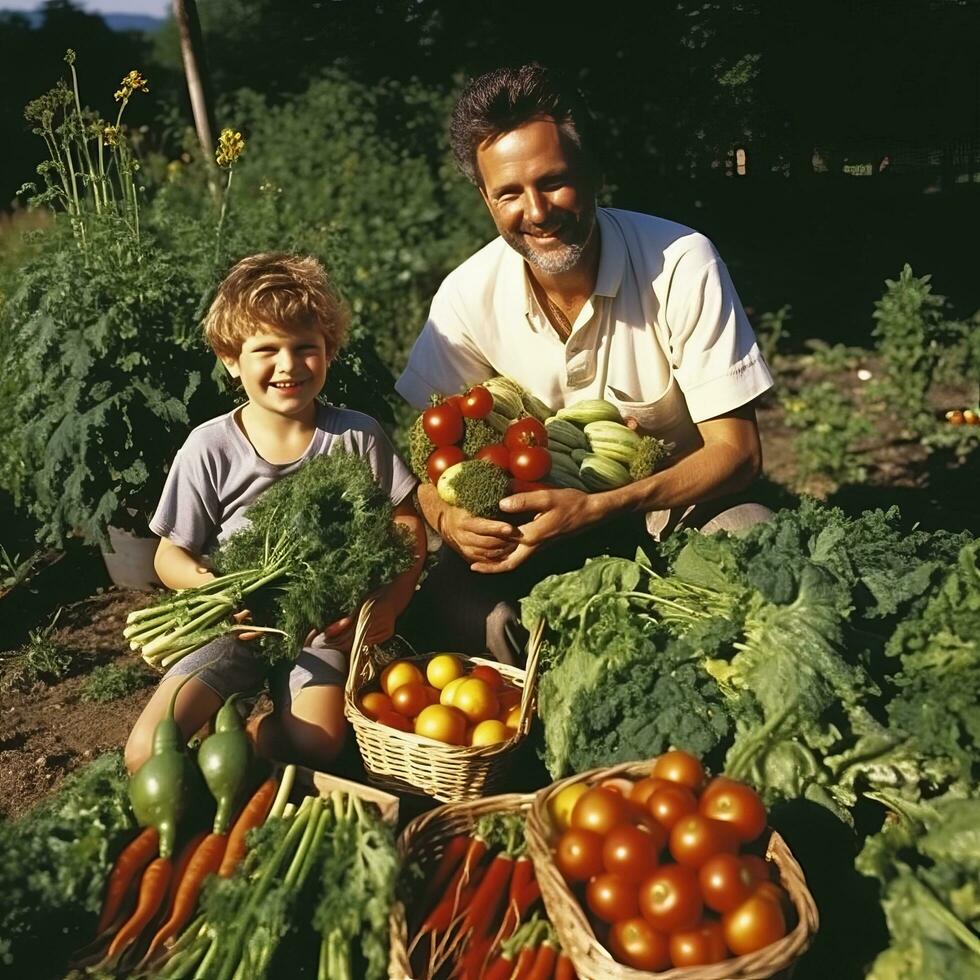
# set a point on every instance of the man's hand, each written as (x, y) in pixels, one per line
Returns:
(557, 513)
(478, 539)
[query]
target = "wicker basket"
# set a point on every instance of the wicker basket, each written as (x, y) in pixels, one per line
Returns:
(407, 763)
(424, 838)
(591, 959)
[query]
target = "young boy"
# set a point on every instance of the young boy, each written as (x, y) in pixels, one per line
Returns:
(276, 324)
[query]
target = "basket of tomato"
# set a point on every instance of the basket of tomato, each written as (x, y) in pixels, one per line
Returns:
(443, 725)
(652, 869)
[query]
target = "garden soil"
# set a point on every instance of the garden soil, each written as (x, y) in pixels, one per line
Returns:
(49, 730)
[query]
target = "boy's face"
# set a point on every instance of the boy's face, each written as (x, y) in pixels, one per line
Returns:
(281, 372)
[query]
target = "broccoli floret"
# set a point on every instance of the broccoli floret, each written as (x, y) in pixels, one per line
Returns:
(476, 485)
(476, 435)
(420, 447)
(648, 454)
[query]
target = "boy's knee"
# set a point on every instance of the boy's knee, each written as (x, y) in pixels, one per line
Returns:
(137, 751)
(316, 745)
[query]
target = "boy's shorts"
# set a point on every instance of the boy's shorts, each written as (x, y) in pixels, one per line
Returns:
(233, 667)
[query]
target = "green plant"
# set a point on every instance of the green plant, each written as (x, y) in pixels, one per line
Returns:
(771, 332)
(833, 358)
(910, 333)
(15, 570)
(42, 659)
(832, 428)
(111, 682)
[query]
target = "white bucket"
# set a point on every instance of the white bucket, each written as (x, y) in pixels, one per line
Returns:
(130, 563)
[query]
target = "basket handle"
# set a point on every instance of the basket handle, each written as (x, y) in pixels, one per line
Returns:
(358, 650)
(530, 676)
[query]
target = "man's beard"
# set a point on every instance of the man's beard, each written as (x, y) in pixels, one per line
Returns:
(564, 257)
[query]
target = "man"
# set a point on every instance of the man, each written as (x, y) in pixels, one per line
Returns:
(576, 302)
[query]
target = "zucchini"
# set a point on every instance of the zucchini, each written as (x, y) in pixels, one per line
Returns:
(590, 410)
(599, 473)
(565, 432)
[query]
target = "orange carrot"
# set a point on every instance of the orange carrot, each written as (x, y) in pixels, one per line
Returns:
(253, 815)
(180, 868)
(153, 890)
(206, 860)
(564, 969)
(133, 858)
(544, 962)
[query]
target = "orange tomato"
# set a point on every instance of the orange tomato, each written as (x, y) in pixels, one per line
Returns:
(394, 720)
(489, 674)
(512, 718)
(443, 723)
(398, 673)
(489, 733)
(509, 696)
(374, 704)
(432, 693)
(475, 698)
(409, 699)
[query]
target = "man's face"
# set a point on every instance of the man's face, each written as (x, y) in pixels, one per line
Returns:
(540, 194)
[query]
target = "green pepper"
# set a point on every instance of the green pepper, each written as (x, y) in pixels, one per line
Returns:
(224, 760)
(160, 789)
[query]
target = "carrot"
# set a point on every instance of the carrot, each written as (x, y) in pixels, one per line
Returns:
(481, 914)
(522, 877)
(500, 968)
(544, 962)
(180, 868)
(455, 850)
(253, 815)
(445, 910)
(471, 965)
(517, 908)
(133, 858)
(153, 890)
(525, 961)
(564, 969)
(206, 860)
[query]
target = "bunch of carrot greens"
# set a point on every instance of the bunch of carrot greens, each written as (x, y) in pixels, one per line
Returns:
(317, 543)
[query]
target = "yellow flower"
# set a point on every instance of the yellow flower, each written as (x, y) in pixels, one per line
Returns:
(133, 82)
(111, 134)
(230, 147)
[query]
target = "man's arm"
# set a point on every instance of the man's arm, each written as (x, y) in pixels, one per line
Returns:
(729, 460)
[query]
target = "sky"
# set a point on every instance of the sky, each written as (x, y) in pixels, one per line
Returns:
(155, 8)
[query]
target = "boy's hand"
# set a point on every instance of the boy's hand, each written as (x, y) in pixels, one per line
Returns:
(340, 635)
(243, 617)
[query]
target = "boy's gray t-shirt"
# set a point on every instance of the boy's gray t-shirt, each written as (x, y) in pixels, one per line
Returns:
(217, 473)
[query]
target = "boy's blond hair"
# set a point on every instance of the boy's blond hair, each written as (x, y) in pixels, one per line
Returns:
(279, 291)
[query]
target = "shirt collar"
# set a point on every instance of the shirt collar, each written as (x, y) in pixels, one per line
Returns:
(612, 256)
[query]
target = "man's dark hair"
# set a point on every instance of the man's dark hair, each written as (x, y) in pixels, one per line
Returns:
(503, 100)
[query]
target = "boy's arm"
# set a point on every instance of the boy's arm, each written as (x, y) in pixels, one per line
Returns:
(178, 568)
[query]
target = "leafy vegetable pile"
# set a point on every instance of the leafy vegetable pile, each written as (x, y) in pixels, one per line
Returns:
(55, 863)
(817, 657)
(319, 541)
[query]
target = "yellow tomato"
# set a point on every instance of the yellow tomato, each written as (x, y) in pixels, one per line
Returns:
(399, 673)
(563, 802)
(513, 718)
(489, 733)
(442, 723)
(476, 699)
(374, 704)
(442, 669)
(448, 693)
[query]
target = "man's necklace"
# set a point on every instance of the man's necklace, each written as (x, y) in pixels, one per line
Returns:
(562, 325)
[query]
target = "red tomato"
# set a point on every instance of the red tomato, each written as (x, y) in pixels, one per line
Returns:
(670, 803)
(637, 944)
(699, 946)
(530, 463)
(443, 424)
(739, 806)
(525, 432)
(758, 867)
(527, 486)
(694, 839)
(619, 785)
(496, 453)
(409, 699)
(714, 784)
(642, 790)
(441, 459)
(631, 852)
(394, 720)
(680, 767)
(489, 674)
(456, 401)
(670, 898)
(477, 403)
(579, 854)
(757, 922)
(599, 810)
(725, 882)
(612, 898)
